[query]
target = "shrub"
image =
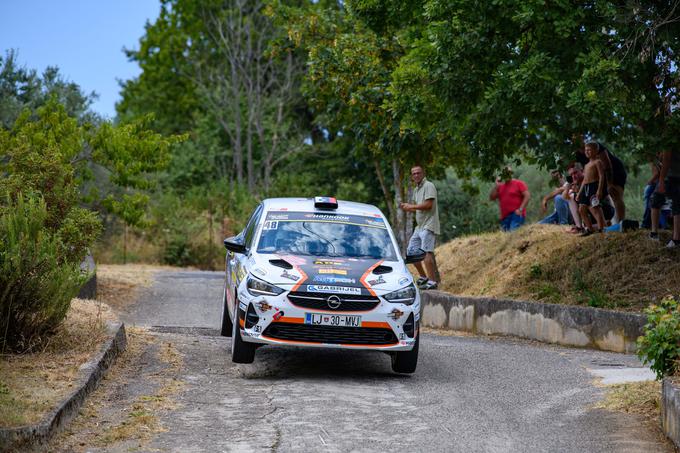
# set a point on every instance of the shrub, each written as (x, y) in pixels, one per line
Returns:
(660, 345)
(37, 278)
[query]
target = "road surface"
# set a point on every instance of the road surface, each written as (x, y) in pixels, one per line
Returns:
(469, 394)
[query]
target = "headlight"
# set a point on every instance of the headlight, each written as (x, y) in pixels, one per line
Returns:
(406, 295)
(259, 288)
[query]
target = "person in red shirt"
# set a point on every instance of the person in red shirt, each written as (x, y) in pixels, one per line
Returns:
(513, 196)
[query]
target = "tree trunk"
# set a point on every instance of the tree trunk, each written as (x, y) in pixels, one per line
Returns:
(386, 192)
(400, 223)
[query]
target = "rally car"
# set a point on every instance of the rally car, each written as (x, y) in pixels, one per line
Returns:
(319, 272)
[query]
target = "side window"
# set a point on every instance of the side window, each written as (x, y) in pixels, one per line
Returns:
(249, 231)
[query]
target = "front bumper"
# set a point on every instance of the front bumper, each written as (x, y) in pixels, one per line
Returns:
(276, 320)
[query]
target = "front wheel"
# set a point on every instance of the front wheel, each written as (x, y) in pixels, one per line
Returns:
(406, 361)
(227, 327)
(241, 352)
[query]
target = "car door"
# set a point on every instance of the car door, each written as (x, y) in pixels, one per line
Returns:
(237, 268)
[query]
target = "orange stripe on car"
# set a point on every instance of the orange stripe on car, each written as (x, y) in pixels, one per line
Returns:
(379, 325)
(363, 277)
(290, 320)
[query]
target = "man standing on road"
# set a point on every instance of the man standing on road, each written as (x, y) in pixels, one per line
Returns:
(427, 225)
(513, 196)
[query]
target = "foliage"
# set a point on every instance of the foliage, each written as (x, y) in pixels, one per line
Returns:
(48, 162)
(38, 276)
(463, 209)
(660, 345)
(207, 69)
(21, 88)
(515, 79)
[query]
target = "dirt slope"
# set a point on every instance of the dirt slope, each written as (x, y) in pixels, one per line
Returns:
(543, 263)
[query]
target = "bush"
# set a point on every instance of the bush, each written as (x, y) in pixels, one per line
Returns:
(660, 345)
(37, 278)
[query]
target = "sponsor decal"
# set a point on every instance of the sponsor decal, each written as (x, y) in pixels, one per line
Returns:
(290, 276)
(374, 222)
(402, 336)
(259, 271)
(273, 216)
(328, 217)
(257, 329)
(333, 289)
(278, 315)
(243, 306)
(378, 281)
(270, 225)
(403, 280)
(333, 271)
(330, 280)
(250, 334)
(417, 315)
(328, 263)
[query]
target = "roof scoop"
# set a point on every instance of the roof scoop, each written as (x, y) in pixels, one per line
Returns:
(382, 270)
(281, 263)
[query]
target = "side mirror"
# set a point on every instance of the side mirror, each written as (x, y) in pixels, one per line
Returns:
(416, 256)
(235, 244)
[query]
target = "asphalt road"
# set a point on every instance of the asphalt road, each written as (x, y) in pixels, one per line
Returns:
(469, 394)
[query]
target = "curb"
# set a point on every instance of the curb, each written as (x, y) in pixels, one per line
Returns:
(568, 325)
(92, 371)
(670, 410)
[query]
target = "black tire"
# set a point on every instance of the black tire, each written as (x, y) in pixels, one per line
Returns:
(406, 361)
(241, 352)
(227, 327)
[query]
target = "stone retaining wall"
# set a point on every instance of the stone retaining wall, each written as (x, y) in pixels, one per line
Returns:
(552, 323)
(670, 410)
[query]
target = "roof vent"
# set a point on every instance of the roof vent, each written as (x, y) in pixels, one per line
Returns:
(325, 203)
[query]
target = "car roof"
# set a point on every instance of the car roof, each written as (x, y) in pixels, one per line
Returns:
(307, 205)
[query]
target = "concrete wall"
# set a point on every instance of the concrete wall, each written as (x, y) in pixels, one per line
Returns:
(670, 411)
(552, 323)
(89, 289)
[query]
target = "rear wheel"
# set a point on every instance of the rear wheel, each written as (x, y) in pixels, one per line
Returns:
(227, 327)
(406, 361)
(241, 352)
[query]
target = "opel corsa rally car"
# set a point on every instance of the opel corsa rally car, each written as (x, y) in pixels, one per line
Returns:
(319, 272)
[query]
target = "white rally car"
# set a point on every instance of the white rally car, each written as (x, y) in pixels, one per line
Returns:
(318, 272)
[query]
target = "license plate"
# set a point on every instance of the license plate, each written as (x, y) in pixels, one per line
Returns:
(332, 320)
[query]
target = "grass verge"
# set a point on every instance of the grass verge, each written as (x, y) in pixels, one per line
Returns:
(31, 385)
(641, 398)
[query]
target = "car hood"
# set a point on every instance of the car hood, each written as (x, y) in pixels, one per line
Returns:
(331, 274)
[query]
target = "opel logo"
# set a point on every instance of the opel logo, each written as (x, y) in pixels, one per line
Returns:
(333, 302)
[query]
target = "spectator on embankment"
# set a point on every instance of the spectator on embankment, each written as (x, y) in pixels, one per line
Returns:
(513, 196)
(667, 187)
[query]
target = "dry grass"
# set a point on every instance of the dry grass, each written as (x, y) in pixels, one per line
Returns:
(641, 398)
(543, 263)
(33, 384)
(142, 422)
(117, 284)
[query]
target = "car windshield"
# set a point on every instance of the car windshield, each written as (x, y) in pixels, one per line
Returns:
(302, 233)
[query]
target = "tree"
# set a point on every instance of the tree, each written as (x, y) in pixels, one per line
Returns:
(349, 68)
(216, 54)
(21, 88)
(509, 79)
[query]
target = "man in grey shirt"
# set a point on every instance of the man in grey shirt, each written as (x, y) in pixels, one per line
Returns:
(667, 187)
(427, 225)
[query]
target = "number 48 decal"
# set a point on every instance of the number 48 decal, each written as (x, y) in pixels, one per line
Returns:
(270, 225)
